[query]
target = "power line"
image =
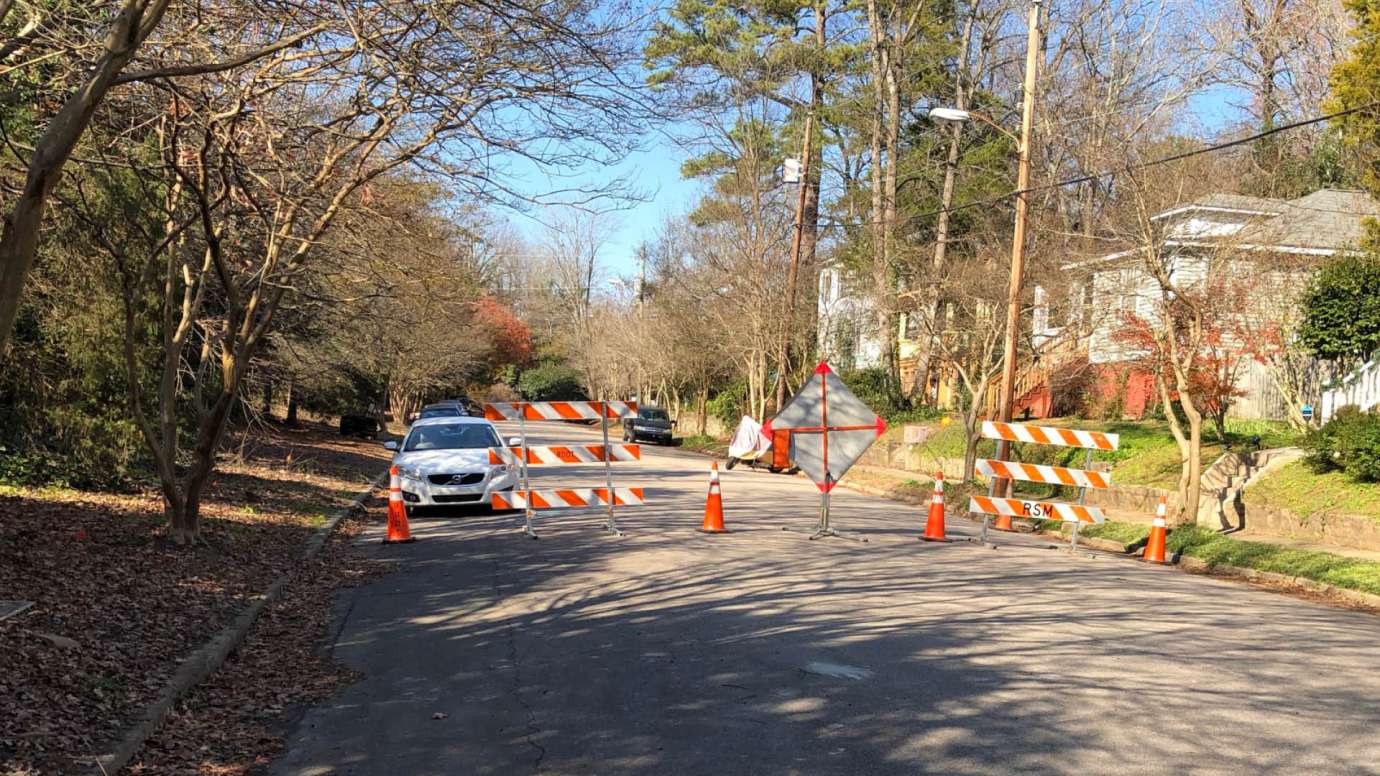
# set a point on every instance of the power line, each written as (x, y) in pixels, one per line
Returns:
(1152, 163)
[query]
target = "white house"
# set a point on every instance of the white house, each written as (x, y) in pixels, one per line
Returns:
(847, 325)
(1280, 240)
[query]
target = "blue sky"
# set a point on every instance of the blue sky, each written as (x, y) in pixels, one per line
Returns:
(656, 171)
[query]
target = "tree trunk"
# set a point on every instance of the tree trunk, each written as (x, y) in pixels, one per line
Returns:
(292, 404)
(1194, 468)
(1188, 474)
(970, 443)
(930, 339)
(20, 231)
(268, 400)
(701, 412)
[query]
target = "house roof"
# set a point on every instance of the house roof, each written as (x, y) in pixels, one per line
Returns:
(1320, 223)
(1234, 204)
(1327, 219)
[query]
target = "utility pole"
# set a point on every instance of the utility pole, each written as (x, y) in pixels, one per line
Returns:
(806, 152)
(783, 352)
(1018, 240)
(641, 277)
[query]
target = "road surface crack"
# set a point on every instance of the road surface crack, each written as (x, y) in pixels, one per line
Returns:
(533, 730)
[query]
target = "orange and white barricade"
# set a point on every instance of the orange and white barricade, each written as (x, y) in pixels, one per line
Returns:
(1004, 509)
(1045, 510)
(524, 456)
(558, 454)
(1049, 435)
(1054, 475)
(560, 410)
(566, 498)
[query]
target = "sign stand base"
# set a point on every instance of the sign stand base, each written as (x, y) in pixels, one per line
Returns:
(822, 529)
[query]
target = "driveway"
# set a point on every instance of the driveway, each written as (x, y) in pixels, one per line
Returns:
(672, 652)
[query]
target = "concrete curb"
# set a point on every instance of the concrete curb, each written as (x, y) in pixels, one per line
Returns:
(202, 663)
(1191, 565)
(1353, 598)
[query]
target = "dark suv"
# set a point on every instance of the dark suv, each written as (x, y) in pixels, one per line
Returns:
(450, 408)
(651, 424)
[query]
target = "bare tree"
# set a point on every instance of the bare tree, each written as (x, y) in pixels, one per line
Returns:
(1183, 340)
(264, 164)
(89, 81)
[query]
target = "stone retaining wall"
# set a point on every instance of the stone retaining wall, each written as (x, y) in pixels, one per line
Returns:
(1357, 531)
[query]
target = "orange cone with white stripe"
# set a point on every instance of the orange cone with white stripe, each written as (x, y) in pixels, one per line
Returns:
(714, 505)
(398, 531)
(934, 526)
(1154, 546)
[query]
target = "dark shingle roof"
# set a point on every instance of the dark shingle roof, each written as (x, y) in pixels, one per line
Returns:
(1241, 202)
(1327, 219)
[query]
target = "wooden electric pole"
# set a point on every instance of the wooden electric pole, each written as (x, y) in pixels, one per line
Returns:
(1018, 239)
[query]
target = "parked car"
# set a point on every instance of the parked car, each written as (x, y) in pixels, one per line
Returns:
(362, 426)
(444, 461)
(468, 406)
(442, 409)
(651, 424)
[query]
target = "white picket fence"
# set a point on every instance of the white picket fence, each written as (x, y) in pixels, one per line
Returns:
(1361, 387)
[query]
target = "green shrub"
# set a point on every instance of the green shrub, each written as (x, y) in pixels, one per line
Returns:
(551, 381)
(1349, 442)
(1341, 308)
(875, 388)
(727, 405)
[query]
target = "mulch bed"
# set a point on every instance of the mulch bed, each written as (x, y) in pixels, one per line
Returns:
(117, 604)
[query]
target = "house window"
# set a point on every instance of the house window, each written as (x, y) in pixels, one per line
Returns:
(826, 285)
(912, 326)
(1056, 314)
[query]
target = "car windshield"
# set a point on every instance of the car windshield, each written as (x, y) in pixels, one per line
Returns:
(451, 436)
(653, 414)
(439, 412)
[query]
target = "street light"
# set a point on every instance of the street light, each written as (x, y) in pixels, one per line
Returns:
(1013, 308)
(956, 116)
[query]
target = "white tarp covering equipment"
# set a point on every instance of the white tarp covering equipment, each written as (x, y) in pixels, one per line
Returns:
(749, 443)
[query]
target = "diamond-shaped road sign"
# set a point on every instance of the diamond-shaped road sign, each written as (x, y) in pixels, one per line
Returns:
(830, 427)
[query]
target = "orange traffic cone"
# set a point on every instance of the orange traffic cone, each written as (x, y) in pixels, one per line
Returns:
(934, 526)
(1154, 546)
(398, 531)
(714, 505)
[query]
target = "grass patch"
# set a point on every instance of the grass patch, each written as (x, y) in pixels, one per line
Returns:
(1216, 549)
(702, 443)
(1146, 455)
(1128, 534)
(1298, 489)
(1219, 550)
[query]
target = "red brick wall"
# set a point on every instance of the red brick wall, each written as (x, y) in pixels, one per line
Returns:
(1134, 387)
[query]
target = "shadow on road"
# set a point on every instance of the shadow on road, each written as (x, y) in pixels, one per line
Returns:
(761, 652)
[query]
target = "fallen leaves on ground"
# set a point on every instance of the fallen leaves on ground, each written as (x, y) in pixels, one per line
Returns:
(233, 722)
(103, 574)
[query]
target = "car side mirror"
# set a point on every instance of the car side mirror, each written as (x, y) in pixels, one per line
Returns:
(390, 445)
(514, 441)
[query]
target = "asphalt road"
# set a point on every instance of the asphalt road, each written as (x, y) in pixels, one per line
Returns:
(672, 652)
